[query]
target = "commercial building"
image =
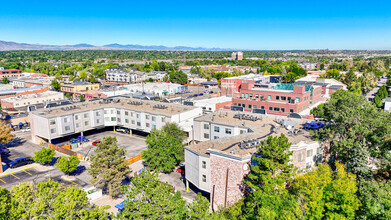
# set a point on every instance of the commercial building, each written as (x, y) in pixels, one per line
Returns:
(329, 86)
(31, 81)
(22, 91)
(10, 74)
(279, 99)
(237, 56)
(211, 104)
(22, 101)
(6, 87)
(79, 86)
(225, 142)
(230, 86)
(159, 89)
(134, 114)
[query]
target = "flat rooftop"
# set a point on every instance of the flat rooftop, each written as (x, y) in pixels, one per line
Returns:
(128, 103)
(31, 96)
(261, 129)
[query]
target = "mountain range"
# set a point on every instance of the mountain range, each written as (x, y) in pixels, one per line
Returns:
(8, 45)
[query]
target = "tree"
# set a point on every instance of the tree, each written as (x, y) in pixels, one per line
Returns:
(108, 166)
(148, 198)
(357, 130)
(322, 66)
(51, 200)
(83, 76)
(5, 133)
(55, 85)
(6, 204)
(44, 156)
(350, 77)
(5, 80)
(165, 148)
(178, 77)
(332, 73)
(68, 95)
(324, 193)
(268, 180)
(375, 198)
(67, 165)
(81, 97)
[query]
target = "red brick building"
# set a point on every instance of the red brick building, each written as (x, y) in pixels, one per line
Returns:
(10, 74)
(281, 99)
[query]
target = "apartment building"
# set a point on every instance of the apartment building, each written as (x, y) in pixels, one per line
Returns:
(134, 114)
(159, 88)
(230, 86)
(225, 142)
(121, 75)
(237, 56)
(279, 99)
(79, 86)
(31, 99)
(10, 74)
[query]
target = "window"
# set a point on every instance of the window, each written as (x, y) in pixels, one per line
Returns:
(97, 113)
(113, 118)
(206, 135)
(206, 126)
(277, 97)
(76, 117)
(244, 106)
(77, 125)
(297, 100)
(126, 113)
(300, 157)
(126, 120)
(53, 130)
(242, 131)
(86, 123)
(243, 95)
(319, 150)
(107, 118)
(137, 115)
(97, 121)
(246, 95)
(163, 119)
(106, 112)
(309, 153)
(133, 122)
(85, 115)
(251, 95)
(204, 164)
(269, 97)
(153, 118)
(131, 114)
(67, 128)
(228, 131)
(256, 96)
(283, 98)
(262, 107)
(146, 116)
(216, 137)
(118, 119)
(270, 108)
(282, 109)
(65, 120)
(249, 106)
(254, 106)
(277, 109)
(53, 122)
(217, 129)
(204, 178)
(147, 125)
(118, 112)
(291, 111)
(138, 123)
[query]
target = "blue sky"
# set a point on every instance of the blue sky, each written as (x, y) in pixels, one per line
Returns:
(268, 25)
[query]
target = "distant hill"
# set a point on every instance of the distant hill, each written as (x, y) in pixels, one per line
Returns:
(7, 45)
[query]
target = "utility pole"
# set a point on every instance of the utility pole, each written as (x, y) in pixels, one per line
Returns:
(226, 189)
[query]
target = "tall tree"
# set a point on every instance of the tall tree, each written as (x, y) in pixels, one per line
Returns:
(5, 132)
(5, 80)
(44, 156)
(375, 198)
(165, 148)
(108, 166)
(56, 85)
(67, 165)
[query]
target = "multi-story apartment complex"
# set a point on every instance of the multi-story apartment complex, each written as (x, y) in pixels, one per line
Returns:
(10, 74)
(224, 145)
(121, 75)
(79, 86)
(230, 86)
(134, 114)
(237, 55)
(279, 99)
(31, 99)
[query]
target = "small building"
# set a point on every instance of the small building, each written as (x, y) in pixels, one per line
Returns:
(329, 86)
(31, 81)
(211, 104)
(10, 74)
(387, 104)
(160, 89)
(23, 101)
(22, 91)
(79, 86)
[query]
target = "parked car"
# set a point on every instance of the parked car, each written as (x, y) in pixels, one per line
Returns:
(201, 94)
(74, 141)
(26, 130)
(95, 143)
(122, 130)
(20, 162)
(210, 92)
(82, 138)
(4, 151)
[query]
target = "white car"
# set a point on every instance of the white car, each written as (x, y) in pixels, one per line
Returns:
(26, 130)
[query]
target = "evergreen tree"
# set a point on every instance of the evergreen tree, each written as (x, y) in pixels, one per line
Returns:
(108, 166)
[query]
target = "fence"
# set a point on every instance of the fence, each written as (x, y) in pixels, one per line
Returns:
(134, 159)
(66, 151)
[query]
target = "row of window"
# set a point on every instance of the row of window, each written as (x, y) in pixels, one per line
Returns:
(153, 118)
(269, 97)
(277, 109)
(310, 153)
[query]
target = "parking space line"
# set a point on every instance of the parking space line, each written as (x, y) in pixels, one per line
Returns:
(27, 172)
(2, 181)
(15, 176)
(12, 173)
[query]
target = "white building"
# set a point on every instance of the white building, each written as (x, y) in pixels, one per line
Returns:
(31, 99)
(122, 75)
(211, 104)
(159, 89)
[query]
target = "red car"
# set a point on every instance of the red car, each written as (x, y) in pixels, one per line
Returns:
(95, 143)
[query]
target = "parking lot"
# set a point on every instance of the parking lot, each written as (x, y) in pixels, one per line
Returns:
(133, 145)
